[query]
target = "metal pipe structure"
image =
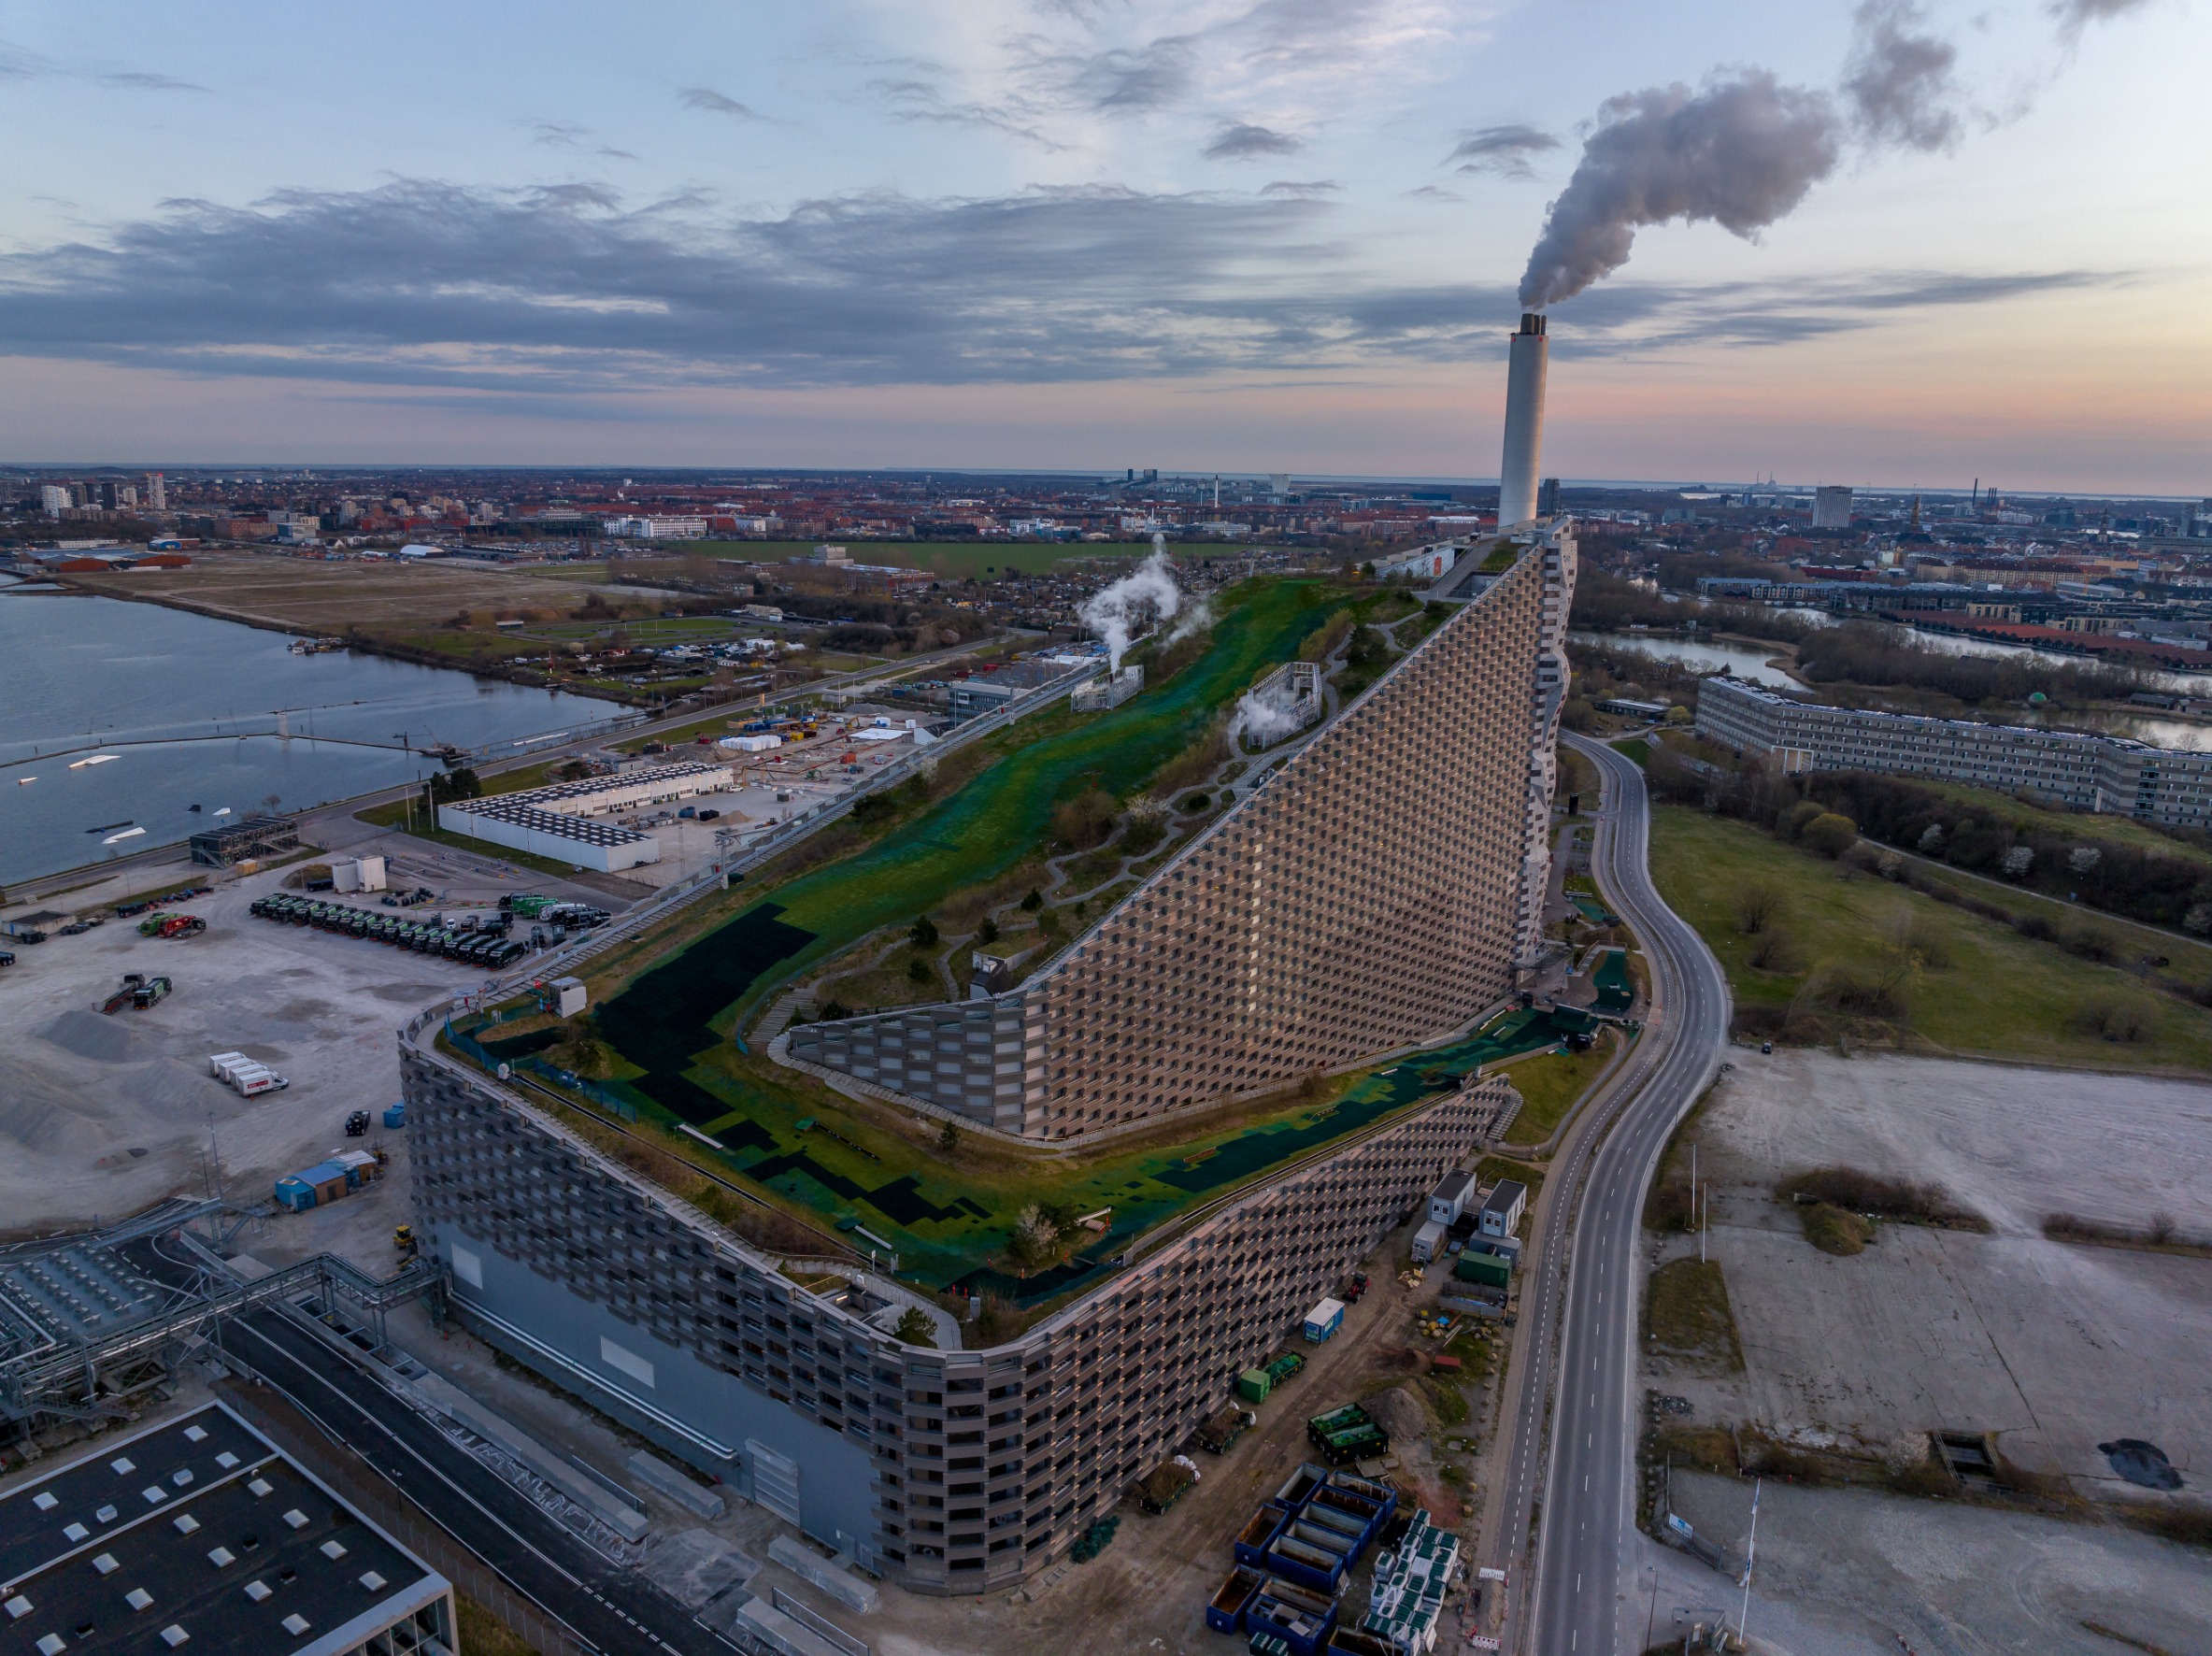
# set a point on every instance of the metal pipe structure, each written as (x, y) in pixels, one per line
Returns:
(1529, 355)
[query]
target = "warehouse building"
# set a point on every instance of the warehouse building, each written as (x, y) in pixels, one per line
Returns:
(200, 1535)
(2088, 773)
(557, 820)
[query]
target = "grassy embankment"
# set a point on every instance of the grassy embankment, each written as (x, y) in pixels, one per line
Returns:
(1841, 953)
(1550, 1084)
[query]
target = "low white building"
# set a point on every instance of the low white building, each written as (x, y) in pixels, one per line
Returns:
(557, 821)
(1429, 563)
(655, 528)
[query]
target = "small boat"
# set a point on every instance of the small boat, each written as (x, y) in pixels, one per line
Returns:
(95, 759)
(105, 826)
(191, 807)
(126, 833)
(25, 781)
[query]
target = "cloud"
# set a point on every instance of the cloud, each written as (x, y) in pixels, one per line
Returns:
(715, 103)
(2075, 15)
(912, 98)
(567, 292)
(1115, 81)
(1898, 82)
(1503, 151)
(1740, 151)
(427, 282)
(563, 135)
(1242, 141)
(20, 64)
(1294, 187)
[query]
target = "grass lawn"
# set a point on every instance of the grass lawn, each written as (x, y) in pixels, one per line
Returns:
(2001, 994)
(1687, 1317)
(1551, 1084)
(2192, 960)
(1639, 750)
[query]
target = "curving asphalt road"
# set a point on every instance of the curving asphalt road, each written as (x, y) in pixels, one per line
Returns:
(1578, 1378)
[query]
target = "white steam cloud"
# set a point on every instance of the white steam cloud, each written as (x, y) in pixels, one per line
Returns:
(1146, 595)
(1743, 150)
(1265, 716)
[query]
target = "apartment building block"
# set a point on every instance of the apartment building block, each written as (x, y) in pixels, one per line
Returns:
(2116, 774)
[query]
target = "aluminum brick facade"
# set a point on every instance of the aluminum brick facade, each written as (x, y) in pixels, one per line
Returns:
(1377, 890)
(988, 1464)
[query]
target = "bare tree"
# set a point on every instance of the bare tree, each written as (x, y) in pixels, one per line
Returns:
(1756, 905)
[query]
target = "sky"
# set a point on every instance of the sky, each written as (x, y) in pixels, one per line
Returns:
(1875, 242)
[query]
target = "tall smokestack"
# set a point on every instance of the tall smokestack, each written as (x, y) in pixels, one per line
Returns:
(1525, 425)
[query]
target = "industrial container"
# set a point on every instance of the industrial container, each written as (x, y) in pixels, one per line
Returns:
(1428, 1240)
(1224, 1427)
(1383, 1495)
(1489, 1270)
(1282, 1365)
(1225, 1612)
(1337, 1508)
(1300, 1617)
(1324, 1320)
(1260, 1530)
(219, 1066)
(395, 1115)
(1299, 1487)
(1164, 1485)
(1304, 1554)
(311, 1187)
(1253, 1385)
(569, 996)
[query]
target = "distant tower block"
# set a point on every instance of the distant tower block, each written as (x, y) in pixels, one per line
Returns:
(1525, 425)
(1831, 508)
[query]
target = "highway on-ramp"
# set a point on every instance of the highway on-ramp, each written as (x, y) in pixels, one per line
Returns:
(1576, 1488)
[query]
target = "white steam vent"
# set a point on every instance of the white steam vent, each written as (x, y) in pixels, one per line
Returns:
(1142, 598)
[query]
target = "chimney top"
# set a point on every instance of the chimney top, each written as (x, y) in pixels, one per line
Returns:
(1532, 322)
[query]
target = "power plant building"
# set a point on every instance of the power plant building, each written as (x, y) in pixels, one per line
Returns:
(1381, 887)
(1377, 890)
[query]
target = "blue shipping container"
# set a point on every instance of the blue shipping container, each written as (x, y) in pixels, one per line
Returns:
(396, 1116)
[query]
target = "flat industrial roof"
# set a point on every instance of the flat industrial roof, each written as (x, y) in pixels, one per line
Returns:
(196, 1535)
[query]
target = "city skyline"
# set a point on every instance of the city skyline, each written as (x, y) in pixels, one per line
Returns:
(1254, 237)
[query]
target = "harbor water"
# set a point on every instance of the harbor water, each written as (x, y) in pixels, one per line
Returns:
(117, 716)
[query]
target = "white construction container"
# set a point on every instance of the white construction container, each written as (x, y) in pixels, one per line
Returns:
(221, 1063)
(570, 996)
(1427, 1241)
(752, 744)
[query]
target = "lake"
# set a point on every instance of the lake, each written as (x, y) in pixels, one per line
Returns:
(81, 677)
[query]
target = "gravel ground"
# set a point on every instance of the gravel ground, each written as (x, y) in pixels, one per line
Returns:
(1851, 1572)
(101, 1116)
(2051, 1347)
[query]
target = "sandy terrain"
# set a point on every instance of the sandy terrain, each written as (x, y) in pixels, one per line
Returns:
(2054, 1347)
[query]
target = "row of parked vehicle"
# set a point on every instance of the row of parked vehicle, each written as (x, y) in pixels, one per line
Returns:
(490, 949)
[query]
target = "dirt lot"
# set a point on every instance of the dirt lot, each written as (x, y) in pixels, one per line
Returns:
(2052, 1348)
(1854, 1573)
(305, 596)
(104, 1115)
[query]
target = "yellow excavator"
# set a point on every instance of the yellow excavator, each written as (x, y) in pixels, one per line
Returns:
(403, 1240)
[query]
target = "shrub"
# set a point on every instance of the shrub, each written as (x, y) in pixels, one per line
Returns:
(1829, 834)
(2113, 1018)
(987, 934)
(1857, 1192)
(915, 1327)
(1802, 815)
(1034, 900)
(1839, 989)
(1834, 1231)
(1774, 951)
(917, 972)
(1084, 821)
(1756, 904)
(923, 931)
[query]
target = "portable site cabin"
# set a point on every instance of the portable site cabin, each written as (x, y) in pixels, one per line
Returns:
(1428, 1242)
(1449, 1199)
(1324, 1320)
(312, 1187)
(1503, 1207)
